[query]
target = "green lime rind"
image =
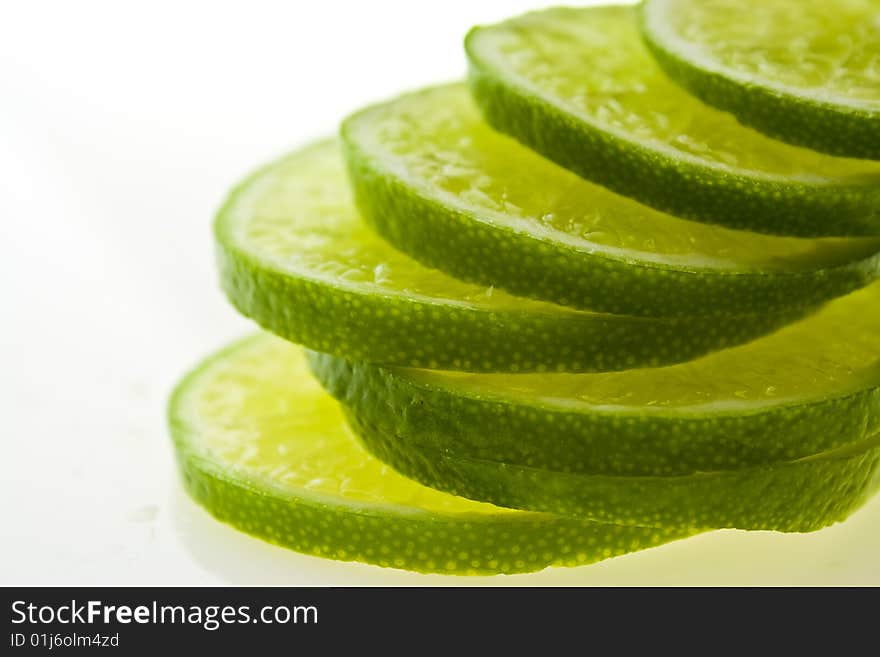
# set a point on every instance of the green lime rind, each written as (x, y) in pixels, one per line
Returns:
(249, 466)
(600, 106)
(795, 496)
(807, 116)
(431, 178)
(811, 387)
(294, 256)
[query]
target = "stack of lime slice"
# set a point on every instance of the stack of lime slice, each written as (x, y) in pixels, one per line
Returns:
(587, 304)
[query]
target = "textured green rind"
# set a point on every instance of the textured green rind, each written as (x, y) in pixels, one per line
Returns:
(470, 247)
(423, 544)
(587, 439)
(391, 535)
(416, 333)
(363, 323)
(689, 189)
(796, 496)
(828, 127)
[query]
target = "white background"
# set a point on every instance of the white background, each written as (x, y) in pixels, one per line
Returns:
(121, 127)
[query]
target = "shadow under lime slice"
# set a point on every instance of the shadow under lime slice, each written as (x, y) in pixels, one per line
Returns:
(580, 87)
(805, 72)
(262, 447)
(435, 181)
(792, 496)
(294, 256)
(811, 387)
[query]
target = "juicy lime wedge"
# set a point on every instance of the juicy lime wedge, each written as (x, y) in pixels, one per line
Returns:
(812, 387)
(294, 256)
(579, 86)
(436, 182)
(793, 496)
(806, 72)
(262, 447)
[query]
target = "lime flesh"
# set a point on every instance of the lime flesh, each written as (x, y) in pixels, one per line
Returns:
(579, 86)
(262, 447)
(294, 256)
(439, 184)
(811, 387)
(795, 496)
(807, 72)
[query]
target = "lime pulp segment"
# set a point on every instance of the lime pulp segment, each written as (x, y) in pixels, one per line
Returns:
(807, 72)
(294, 256)
(440, 185)
(811, 387)
(263, 448)
(580, 87)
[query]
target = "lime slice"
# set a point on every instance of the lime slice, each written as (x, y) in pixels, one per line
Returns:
(263, 448)
(578, 86)
(294, 256)
(436, 182)
(806, 72)
(792, 496)
(810, 388)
